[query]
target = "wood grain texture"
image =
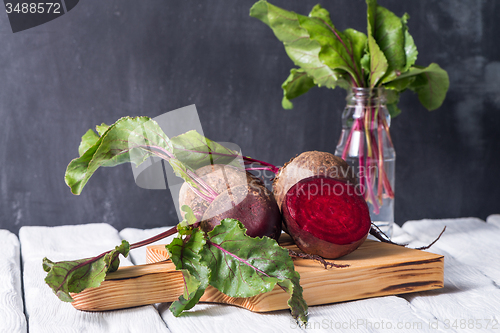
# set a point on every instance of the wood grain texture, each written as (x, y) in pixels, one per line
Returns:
(131, 287)
(12, 319)
(45, 312)
(375, 269)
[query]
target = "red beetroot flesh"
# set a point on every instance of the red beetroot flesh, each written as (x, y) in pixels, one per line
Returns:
(320, 211)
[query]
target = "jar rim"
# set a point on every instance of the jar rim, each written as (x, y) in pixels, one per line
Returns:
(366, 92)
(367, 89)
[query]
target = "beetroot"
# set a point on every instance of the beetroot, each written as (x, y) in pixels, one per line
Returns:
(308, 164)
(322, 208)
(256, 209)
(240, 196)
(316, 192)
(325, 216)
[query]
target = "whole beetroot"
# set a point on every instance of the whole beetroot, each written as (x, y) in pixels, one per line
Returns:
(241, 196)
(322, 208)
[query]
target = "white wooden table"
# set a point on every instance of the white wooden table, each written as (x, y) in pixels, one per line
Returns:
(470, 300)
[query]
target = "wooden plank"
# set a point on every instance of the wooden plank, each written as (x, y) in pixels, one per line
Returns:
(131, 287)
(45, 312)
(471, 297)
(471, 241)
(12, 317)
(376, 269)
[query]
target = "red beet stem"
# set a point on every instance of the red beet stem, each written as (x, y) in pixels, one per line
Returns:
(148, 241)
(269, 166)
(375, 153)
(156, 238)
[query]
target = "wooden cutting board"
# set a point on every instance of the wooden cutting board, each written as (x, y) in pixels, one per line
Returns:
(375, 269)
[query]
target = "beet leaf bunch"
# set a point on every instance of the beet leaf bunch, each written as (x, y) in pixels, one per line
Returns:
(383, 57)
(226, 257)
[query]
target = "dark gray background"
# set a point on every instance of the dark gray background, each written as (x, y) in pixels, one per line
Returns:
(108, 59)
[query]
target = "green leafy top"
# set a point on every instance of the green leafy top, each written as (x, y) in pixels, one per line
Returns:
(74, 276)
(195, 150)
(236, 264)
(128, 140)
(203, 258)
(326, 56)
(134, 140)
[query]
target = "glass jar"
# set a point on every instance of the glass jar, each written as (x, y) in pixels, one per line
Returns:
(365, 144)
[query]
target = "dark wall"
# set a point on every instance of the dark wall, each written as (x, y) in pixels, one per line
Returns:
(108, 59)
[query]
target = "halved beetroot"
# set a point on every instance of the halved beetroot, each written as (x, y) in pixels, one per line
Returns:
(325, 216)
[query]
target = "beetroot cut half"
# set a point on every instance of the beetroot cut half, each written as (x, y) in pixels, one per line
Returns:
(326, 216)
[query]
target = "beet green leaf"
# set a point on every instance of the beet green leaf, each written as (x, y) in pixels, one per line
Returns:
(195, 151)
(387, 30)
(336, 47)
(184, 252)
(430, 83)
(129, 140)
(242, 266)
(385, 57)
(377, 62)
(88, 140)
(65, 277)
(410, 47)
(101, 129)
(296, 84)
(358, 45)
(300, 47)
